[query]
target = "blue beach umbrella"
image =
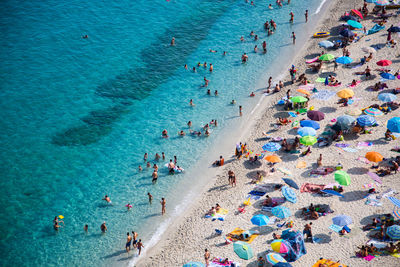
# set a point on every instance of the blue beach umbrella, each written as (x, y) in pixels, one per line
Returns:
(310, 123)
(291, 183)
(381, 2)
(342, 220)
(332, 192)
(326, 44)
(388, 76)
(271, 147)
(304, 131)
(194, 264)
(344, 60)
(260, 220)
(370, 1)
(345, 120)
(281, 212)
(394, 125)
(289, 194)
(354, 24)
(393, 231)
(387, 97)
(366, 120)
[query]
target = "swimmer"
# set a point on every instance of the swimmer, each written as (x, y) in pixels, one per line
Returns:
(154, 175)
(240, 111)
(251, 33)
(186, 67)
(173, 41)
(107, 198)
(191, 103)
(198, 64)
(150, 197)
(270, 6)
(252, 94)
(224, 54)
(182, 133)
(216, 123)
(163, 204)
(256, 38)
(189, 124)
(194, 69)
(216, 93)
(171, 165)
(212, 122)
(129, 206)
(211, 67)
(269, 82)
(205, 65)
(145, 156)
(207, 133)
(294, 38)
(306, 15)
(175, 160)
(140, 168)
(103, 227)
(213, 51)
(291, 17)
(255, 49)
(242, 39)
(139, 246)
(148, 165)
(163, 155)
(85, 36)
(244, 58)
(155, 167)
(264, 45)
(86, 228)
(233, 102)
(164, 133)
(208, 92)
(206, 82)
(157, 157)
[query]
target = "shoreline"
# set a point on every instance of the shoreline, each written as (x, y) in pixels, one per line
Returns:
(264, 103)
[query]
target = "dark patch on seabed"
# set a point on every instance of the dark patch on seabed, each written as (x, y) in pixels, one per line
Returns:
(138, 83)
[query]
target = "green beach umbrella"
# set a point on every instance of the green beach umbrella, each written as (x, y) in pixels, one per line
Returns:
(308, 140)
(326, 57)
(298, 99)
(342, 177)
(243, 250)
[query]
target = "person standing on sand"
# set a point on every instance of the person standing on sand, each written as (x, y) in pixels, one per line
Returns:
(306, 15)
(319, 160)
(207, 257)
(128, 242)
(140, 246)
(294, 38)
(240, 111)
(150, 197)
(163, 203)
(307, 232)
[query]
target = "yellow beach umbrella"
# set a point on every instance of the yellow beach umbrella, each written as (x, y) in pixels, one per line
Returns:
(273, 158)
(303, 91)
(345, 93)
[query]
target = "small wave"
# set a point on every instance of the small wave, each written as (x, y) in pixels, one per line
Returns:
(320, 7)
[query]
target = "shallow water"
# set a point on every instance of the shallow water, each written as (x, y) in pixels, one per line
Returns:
(78, 114)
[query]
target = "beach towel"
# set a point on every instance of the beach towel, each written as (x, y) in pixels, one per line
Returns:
(284, 171)
(253, 197)
(217, 261)
(349, 149)
(364, 144)
(372, 201)
(311, 188)
(363, 160)
(357, 66)
(320, 80)
(375, 177)
(312, 60)
(369, 258)
(387, 193)
(357, 83)
(220, 215)
(335, 228)
(376, 28)
(322, 171)
(342, 145)
(301, 165)
(292, 114)
(238, 231)
(334, 85)
(256, 193)
(370, 185)
(323, 95)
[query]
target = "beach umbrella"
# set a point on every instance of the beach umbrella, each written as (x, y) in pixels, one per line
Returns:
(384, 62)
(345, 121)
(395, 201)
(304, 131)
(291, 183)
(310, 123)
(393, 231)
(368, 49)
(370, 1)
(344, 60)
(394, 125)
(345, 93)
(373, 112)
(283, 264)
(357, 13)
(396, 213)
(332, 192)
(289, 194)
(194, 264)
(387, 97)
(374, 156)
(342, 177)
(346, 33)
(342, 220)
(308, 140)
(260, 220)
(298, 99)
(271, 147)
(382, 2)
(394, 29)
(274, 258)
(326, 57)
(354, 112)
(366, 120)
(243, 250)
(388, 76)
(273, 159)
(326, 44)
(281, 212)
(315, 115)
(354, 24)
(280, 246)
(303, 91)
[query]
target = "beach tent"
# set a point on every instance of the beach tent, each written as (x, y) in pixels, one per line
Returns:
(342, 220)
(393, 125)
(243, 250)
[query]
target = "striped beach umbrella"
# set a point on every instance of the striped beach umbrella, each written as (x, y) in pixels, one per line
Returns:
(289, 194)
(373, 112)
(274, 258)
(393, 125)
(280, 246)
(382, 2)
(393, 231)
(342, 220)
(271, 147)
(395, 201)
(387, 97)
(304, 131)
(344, 60)
(281, 212)
(366, 120)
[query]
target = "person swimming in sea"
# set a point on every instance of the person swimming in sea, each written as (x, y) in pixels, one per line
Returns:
(173, 41)
(107, 198)
(244, 58)
(182, 133)
(191, 103)
(164, 133)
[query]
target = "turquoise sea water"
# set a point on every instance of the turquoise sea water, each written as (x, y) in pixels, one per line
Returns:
(78, 114)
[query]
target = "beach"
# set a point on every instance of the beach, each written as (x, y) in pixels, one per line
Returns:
(191, 233)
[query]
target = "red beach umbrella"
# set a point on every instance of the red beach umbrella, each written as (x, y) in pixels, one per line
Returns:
(358, 13)
(384, 62)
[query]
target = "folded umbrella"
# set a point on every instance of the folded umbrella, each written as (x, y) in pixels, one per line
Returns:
(344, 60)
(304, 131)
(315, 115)
(387, 97)
(342, 220)
(366, 120)
(289, 194)
(303, 91)
(393, 125)
(394, 29)
(357, 13)
(332, 192)
(291, 183)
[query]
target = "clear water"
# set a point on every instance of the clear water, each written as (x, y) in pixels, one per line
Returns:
(78, 114)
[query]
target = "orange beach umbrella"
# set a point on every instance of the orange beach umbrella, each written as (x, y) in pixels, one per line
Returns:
(374, 156)
(303, 91)
(273, 158)
(345, 93)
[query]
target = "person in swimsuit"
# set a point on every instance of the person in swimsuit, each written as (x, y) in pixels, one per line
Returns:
(128, 242)
(140, 246)
(163, 203)
(86, 228)
(306, 15)
(150, 197)
(107, 198)
(134, 238)
(157, 157)
(163, 155)
(155, 177)
(103, 227)
(207, 257)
